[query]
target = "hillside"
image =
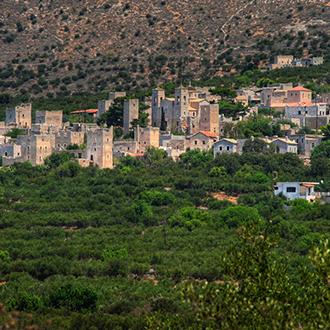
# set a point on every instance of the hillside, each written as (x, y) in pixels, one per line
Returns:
(63, 46)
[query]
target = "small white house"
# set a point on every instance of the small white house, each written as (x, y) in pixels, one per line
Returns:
(293, 190)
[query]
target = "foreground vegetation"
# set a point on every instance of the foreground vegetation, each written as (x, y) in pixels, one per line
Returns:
(85, 247)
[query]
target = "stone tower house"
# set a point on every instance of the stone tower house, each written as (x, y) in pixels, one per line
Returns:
(50, 118)
(36, 148)
(131, 111)
(181, 108)
(209, 118)
(146, 137)
(99, 147)
(158, 95)
(20, 116)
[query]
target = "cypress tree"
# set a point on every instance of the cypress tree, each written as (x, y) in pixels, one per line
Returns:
(163, 122)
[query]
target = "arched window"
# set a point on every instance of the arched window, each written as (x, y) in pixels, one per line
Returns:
(155, 99)
(184, 98)
(178, 98)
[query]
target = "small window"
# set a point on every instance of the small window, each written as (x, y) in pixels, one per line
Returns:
(276, 188)
(228, 148)
(220, 148)
(64, 145)
(127, 148)
(94, 149)
(45, 147)
(23, 115)
(302, 140)
(291, 189)
(58, 145)
(107, 140)
(306, 112)
(195, 142)
(313, 145)
(40, 148)
(144, 142)
(6, 153)
(204, 142)
(299, 112)
(108, 156)
(205, 119)
(18, 154)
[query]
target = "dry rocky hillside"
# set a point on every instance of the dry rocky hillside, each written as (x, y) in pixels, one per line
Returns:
(69, 45)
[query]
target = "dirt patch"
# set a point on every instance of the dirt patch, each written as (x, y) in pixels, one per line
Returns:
(221, 196)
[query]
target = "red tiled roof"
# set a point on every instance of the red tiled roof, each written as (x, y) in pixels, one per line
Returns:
(87, 111)
(208, 134)
(137, 154)
(299, 88)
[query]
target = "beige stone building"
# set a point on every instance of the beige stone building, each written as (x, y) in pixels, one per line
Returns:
(36, 148)
(66, 137)
(146, 137)
(99, 147)
(202, 140)
(20, 116)
(50, 118)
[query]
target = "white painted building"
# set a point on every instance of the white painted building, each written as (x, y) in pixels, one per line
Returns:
(294, 190)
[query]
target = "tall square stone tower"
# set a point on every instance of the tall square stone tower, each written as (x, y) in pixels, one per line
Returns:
(131, 111)
(99, 147)
(20, 116)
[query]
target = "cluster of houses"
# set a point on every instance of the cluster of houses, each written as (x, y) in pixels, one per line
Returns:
(287, 61)
(192, 111)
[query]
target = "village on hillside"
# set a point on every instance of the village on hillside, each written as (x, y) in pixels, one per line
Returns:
(191, 117)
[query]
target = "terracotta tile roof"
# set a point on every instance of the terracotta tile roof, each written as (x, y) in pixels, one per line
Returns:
(170, 99)
(299, 88)
(87, 111)
(190, 108)
(208, 134)
(137, 155)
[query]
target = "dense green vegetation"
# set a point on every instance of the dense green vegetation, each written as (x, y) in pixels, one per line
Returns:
(85, 247)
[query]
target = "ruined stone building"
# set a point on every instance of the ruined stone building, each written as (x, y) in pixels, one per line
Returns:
(20, 116)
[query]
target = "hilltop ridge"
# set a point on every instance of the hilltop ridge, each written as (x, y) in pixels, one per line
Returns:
(65, 46)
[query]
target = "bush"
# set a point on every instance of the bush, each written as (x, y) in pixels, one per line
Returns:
(76, 298)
